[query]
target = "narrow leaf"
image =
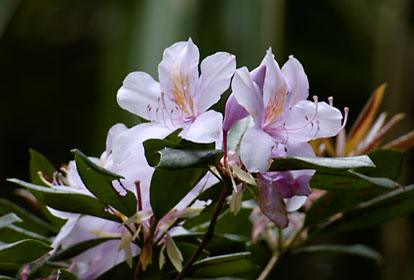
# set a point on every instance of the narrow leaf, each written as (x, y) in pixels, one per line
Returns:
(9, 219)
(329, 165)
(38, 162)
(23, 251)
(173, 159)
(96, 167)
(402, 143)
(68, 201)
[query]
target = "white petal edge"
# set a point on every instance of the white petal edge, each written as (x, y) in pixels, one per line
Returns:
(256, 149)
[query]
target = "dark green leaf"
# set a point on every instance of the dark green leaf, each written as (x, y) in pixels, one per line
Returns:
(328, 165)
(100, 184)
(152, 146)
(382, 182)
(228, 223)
(375, 211)
(23, 251)
(40, 163)
(30, 221)
(68, 201)
(172, 159)
(357, 250)
(78, 248)
(225, 265)
(9, 219)
(169, 187)
(96, 167)
(14, 233)
(3, 277)
(387, 164)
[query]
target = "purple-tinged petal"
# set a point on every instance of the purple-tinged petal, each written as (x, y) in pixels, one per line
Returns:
(216, 72)
(139, 94)
(206, 128)
(258, 76)
(233, 113)
(271, 203)
(256, 149)
(299, 149)
(178, 74)
(248, 95)
(298, 84)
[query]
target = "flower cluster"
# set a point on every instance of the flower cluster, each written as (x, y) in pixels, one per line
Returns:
(280, 121)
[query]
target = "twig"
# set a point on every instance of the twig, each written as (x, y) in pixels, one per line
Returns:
(272, 262)
(209, 234)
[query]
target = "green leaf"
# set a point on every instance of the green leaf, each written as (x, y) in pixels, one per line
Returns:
(388, 164)
(30, 221)
(68, 201)
(96, 167)
(78, 248)
(23, 251)
(9, 219)
(173, 159)
(100, 184)
(169, 187)
(382, 182)
(228, 223)
(357, 250)
(375, 211)
(3, 277)
(225, 265)
(14, 233)
(152, 146)
(65, 275)
(328, 165)
(40, 163)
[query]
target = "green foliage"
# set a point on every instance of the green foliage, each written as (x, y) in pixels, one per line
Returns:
(99, 181)
(22, 251)
(68, 200)
(168, 187)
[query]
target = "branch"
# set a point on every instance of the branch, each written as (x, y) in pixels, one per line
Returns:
(209, 234)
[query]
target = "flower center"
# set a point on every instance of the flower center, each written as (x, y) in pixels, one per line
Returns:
(181, 92)
(275, 106)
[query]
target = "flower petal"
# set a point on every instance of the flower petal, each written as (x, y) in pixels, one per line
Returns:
(298, 84)
(248, 95)
(256, 149)
(258, 75)
(178, 74)
(294, 203)
(206, 128)
(233, 113)
(138, 91)
(327, 122)
(271, 204)
(216, 72)
(113, 134)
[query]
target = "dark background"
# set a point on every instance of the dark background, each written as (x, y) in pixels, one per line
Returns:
(62, 62)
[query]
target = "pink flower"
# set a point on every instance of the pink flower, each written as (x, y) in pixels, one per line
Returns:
(284, 121)
(182, 97)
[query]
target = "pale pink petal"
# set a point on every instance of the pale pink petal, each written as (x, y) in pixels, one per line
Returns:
(297, 81)
(302, 126)
(139, 95)
(233, 112)
(274, 84)
(248, 94)
(216, 72)
(178, 72)
(299, 149)
(256, 149)
(206, 128)
(113, 134)
(294, 203)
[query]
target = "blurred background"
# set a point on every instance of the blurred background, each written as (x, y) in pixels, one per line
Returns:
(62, 62)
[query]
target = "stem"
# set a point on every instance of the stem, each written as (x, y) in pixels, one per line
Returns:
(280, 240)
(209, 234)
(272, 262)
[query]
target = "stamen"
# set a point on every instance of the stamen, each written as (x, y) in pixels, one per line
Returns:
(330, 100)
(309, 121)
(346, 110)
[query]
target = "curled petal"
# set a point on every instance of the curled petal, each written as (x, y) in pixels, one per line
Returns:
(256, 150)
(295, 202)
(258, 75)
(272, 204)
